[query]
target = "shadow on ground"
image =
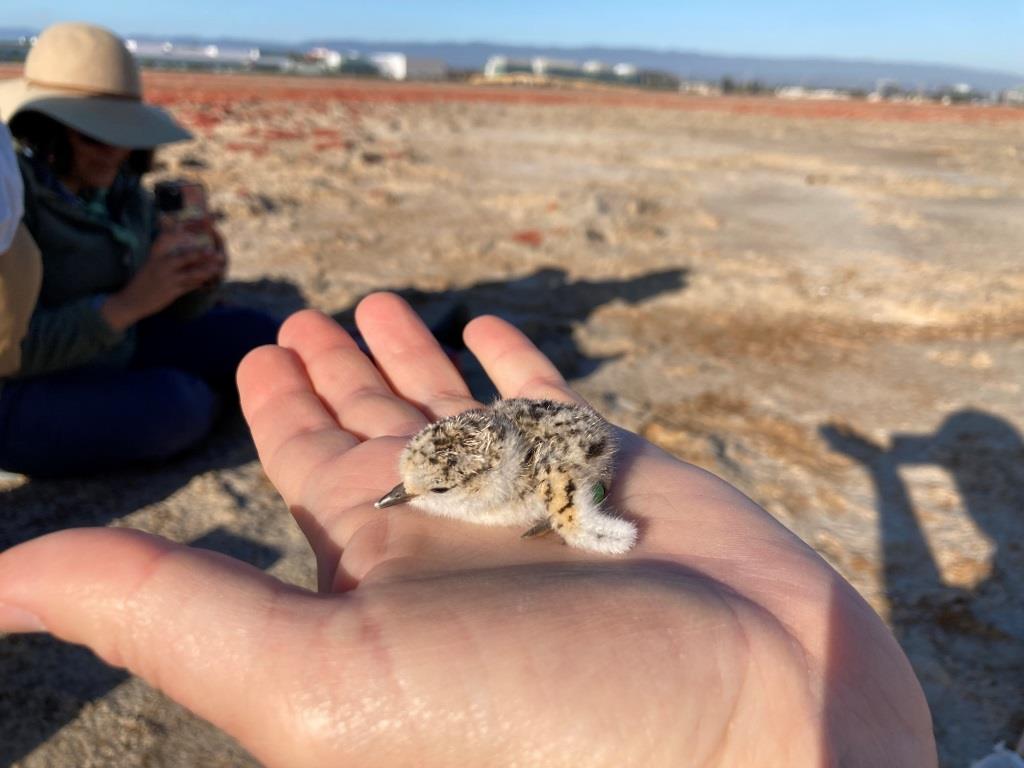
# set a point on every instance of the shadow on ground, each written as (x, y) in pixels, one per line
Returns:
(545, 305)
(973, 636)
(47, 682)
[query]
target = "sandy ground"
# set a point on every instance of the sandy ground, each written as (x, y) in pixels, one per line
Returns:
(822, 303)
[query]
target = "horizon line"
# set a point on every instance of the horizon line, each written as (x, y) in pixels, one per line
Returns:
(637, 47)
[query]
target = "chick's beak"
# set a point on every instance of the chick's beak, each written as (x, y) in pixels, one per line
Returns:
(396, 495)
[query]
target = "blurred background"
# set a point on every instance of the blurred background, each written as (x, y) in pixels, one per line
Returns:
(782, 241)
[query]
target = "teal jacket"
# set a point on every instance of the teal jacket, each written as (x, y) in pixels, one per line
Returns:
(87, 256)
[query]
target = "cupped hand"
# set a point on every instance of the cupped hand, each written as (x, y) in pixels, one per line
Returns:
(720, 640)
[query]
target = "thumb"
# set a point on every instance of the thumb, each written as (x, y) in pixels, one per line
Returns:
(214, 634)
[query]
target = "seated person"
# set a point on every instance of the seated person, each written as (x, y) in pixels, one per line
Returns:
(127, 356)
(20, 271)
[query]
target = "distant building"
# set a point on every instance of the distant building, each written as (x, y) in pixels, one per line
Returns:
(556, 67)
(398, 66)
(1014, 96)
(813, 94)
(541, 66)
(700, 88)
(326, 57)
(598, 70)
(498, 66)
(272, 63)
(625, 71)
(391, 65)
(166, 52)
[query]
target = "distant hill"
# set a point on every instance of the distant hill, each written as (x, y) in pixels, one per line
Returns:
(13, 33)
(810, 72)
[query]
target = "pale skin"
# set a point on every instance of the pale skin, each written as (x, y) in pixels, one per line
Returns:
(171, 270)
(719, 640)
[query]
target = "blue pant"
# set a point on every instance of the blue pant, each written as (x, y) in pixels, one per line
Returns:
(92, 419)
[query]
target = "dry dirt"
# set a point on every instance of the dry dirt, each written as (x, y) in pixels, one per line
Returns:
(821, 302)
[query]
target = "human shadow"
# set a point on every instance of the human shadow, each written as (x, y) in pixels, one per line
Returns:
(948, 630)
(545, 305)
(274, 295)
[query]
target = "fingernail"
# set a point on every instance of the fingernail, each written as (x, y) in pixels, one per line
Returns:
(15, 620)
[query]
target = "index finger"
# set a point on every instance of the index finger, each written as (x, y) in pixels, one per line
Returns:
(294, 433)
(410, 358)
(346, 380)
(513, 362)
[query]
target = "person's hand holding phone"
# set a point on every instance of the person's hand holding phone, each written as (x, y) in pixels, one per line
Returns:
(184, 202)
(215, 252)
(173, 268)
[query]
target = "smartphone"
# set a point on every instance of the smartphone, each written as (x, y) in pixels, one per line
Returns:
(185, 201)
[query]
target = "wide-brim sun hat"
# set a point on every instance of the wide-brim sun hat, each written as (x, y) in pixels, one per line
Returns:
(83, 76)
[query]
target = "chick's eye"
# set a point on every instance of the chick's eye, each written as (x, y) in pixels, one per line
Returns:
(439, 490)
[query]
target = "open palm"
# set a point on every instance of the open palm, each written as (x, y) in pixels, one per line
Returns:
(720, 640)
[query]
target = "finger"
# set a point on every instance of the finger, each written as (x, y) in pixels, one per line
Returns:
(305, 453)
(198, 275)
(295, 435)
(168, 223)
(349, 385)
(178, 263)
(514, 364)
(211, 632)
(410, 358)
(195, 253)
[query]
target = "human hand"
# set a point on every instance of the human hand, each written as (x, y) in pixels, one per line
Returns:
(174, 267)
(719, 640)
(216, 251)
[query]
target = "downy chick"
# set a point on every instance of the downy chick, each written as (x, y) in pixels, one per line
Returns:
(537, 463)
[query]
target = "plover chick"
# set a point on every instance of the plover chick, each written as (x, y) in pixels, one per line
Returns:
(539, 463)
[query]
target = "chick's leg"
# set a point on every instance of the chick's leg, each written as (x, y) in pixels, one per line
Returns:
(575, 514)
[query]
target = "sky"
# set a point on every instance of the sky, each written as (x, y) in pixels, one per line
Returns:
(987, 34)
